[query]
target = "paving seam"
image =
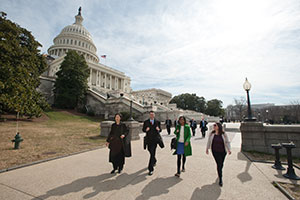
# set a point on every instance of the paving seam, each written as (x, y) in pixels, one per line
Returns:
(20, 191)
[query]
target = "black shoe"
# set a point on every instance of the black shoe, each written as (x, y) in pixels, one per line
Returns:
(177, 174)
(183, 170)
(113, 171)
(119, 171)
(220, 182)
(150, 173)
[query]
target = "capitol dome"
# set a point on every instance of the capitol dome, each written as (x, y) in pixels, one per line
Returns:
(75, 37)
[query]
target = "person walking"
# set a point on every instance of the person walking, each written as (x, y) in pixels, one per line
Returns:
(175, 122)
(117, 145)
(168, 125)
(203, 126)
(193, 125)
(152, 129)
(219, 144)
(183, 147)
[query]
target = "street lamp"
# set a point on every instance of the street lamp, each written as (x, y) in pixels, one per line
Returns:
(247, 87)
(130, 118)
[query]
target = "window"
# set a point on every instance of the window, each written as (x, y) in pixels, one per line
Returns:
(78, 43)
(64, 41)
(75, 42)
(71, 41)
(67, 41)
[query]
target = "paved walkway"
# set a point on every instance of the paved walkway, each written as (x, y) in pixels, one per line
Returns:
(86, 176)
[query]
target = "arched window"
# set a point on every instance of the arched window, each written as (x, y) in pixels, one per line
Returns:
(71, 41)
(79, 43)
(75, 42)
(67, 41)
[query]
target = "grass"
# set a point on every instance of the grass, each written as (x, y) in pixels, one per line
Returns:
(292, 189)
(56, 133)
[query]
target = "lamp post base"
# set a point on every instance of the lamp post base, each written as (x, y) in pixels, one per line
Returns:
(253, 119)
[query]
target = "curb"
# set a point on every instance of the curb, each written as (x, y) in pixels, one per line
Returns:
(268, 162)
(46, 160)
(284, 191)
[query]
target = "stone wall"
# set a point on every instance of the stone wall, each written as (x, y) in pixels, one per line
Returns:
(133, 126)
(259, 137)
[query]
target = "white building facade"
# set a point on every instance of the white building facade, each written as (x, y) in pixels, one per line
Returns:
(103, 79)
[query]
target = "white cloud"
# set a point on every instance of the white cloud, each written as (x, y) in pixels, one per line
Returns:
(203, 47)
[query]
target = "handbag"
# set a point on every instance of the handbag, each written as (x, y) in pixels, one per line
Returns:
(173, 143)
(160, 141)
(145, 142)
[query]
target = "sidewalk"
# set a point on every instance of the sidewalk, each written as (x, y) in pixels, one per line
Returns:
(87, 176)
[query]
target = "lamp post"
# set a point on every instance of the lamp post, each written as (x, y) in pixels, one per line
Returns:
(267, 119)
(247, 87)
(130, 118)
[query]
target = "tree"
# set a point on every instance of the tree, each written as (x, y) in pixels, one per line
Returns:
(214, 108)
(21, 64)
(71, 82)
(296, 110)
(240, 107)
(190, 102)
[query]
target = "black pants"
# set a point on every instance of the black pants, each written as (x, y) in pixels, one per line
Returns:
(193, 130)
(203, 132)
(118, 161)
(152, 160)
(179, 162)
(219, 158)
(169, 129)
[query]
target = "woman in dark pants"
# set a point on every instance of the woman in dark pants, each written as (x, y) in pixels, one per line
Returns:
(219, 144)
(115, 142)
(183, 147)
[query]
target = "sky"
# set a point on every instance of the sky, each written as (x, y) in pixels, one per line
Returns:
(207, 47)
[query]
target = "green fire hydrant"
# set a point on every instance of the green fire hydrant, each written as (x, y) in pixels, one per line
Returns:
(17, 141)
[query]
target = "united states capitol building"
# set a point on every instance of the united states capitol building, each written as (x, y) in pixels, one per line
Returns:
(109, 89)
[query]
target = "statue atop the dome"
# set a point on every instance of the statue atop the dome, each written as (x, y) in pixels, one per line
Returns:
(79, 11)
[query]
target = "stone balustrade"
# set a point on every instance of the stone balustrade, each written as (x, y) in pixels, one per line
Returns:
(258, 137)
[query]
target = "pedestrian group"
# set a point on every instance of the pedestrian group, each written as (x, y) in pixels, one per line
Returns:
(119, 143)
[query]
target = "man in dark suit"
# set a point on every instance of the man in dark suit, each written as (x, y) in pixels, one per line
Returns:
(175, 122)
(152, 128)
(193, 125)
(203, 126)
(168, 125)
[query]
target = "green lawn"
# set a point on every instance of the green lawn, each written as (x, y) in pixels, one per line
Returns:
(56, 133)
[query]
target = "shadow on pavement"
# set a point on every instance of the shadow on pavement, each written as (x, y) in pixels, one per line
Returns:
(200, 138)
(158, 187)
(211, 192)
(244, 176)
(98, 183)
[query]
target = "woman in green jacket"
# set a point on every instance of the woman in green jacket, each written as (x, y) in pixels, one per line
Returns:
(183, 147)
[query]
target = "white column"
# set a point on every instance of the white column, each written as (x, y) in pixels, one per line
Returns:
(110, 80)
(124, 85)
(116, 83)
(90, 79)
(105, 80)
(97, 78)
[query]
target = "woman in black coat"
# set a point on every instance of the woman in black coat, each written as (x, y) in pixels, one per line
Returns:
(116, 142)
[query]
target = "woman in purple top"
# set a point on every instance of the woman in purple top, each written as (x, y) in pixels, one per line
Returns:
(219, 144)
